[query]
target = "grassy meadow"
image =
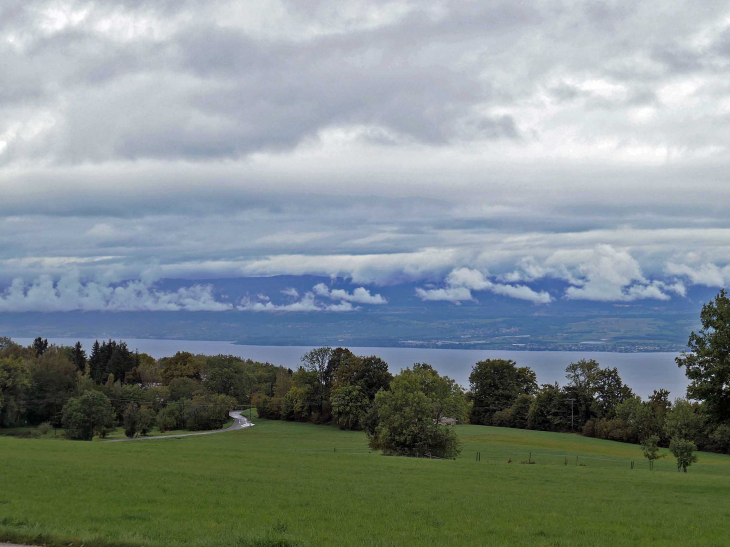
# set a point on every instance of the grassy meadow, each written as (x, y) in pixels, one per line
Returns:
(283, 483)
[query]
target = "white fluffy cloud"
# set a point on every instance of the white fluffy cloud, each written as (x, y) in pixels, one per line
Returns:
(709, 275)
(462, 281)
(290, 291)
(602, 273)
(308, 303)
(69, 293)
(360, 295)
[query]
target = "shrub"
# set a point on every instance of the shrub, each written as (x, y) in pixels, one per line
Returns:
(683, 450)
(86, 415)
(168, 418)
(131, 420)
(589, 428)
(44, 428)
(720, 438)
(147, 418)
(502, 418)
(650, 447)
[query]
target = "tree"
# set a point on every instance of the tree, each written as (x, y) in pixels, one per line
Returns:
(52, 382)
(519, 411)
(316, 361)
(369, 373)
(349, 405)
(707, 361)
(549, 411)
(78, 357)
(6, 342)
(683, 421)
(650, 447)
(182, 365)
(406, 423)
(581, 386)
(147, 419)
(184, 388)
(447, 397)
(87, 415)
(110, 358)
(131, 420)
(40, 345)
(224, 375)
(339, 357)
(169, 418)
(14, 386)
(495, 385)
(609, 391)
(683, 450)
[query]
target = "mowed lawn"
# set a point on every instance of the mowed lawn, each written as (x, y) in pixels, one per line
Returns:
(282, 483)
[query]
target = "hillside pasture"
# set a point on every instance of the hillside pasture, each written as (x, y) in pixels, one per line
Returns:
(283, 483)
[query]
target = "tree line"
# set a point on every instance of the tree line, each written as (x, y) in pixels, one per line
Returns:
(405, 414)
(62, 387)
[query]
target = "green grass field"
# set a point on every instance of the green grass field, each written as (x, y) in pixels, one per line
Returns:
(282, 483)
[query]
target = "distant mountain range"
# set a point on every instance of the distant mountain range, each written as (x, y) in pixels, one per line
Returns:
(492, 322)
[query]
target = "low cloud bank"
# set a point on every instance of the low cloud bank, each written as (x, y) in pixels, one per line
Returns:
(309, 303)
(70, 294)
(462, 281)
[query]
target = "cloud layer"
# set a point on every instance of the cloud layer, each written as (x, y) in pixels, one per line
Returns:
(462, 281)
(70, 294)
(385, 141)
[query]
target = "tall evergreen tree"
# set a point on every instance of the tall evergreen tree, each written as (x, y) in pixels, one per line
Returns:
(78, 356)
(40, 345)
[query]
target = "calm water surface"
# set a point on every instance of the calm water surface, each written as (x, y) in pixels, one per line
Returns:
(644, 372)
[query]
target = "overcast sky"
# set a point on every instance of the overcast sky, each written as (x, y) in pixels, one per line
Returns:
(468, 146)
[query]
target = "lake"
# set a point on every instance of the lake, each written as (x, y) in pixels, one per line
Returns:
(644, 372)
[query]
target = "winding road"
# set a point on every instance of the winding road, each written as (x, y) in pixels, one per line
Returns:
(239, 422)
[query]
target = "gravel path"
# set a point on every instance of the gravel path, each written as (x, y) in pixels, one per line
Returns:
(239, 422)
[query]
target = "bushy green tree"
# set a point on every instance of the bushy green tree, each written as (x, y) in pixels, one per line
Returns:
(707, 363)
(316, 361)
(131, 420)
(406, 421)
(349, 405)
(550, 410)
(169, 418)
(147, 419)
(495, 384)
(87, 415)
(6, 342)
(185, 388)
(684, 451)
(15, 382)
(208, 411)
(182, 365)
(520, 410)
(683, 421)
(52, 383)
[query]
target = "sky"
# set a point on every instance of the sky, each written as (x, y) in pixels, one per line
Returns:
(463, 146)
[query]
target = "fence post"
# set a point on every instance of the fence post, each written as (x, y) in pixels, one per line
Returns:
(529, 458)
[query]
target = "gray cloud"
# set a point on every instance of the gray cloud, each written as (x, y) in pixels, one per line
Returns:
(383, 141)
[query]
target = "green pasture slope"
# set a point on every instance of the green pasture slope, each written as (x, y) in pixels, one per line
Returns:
(287, 484)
